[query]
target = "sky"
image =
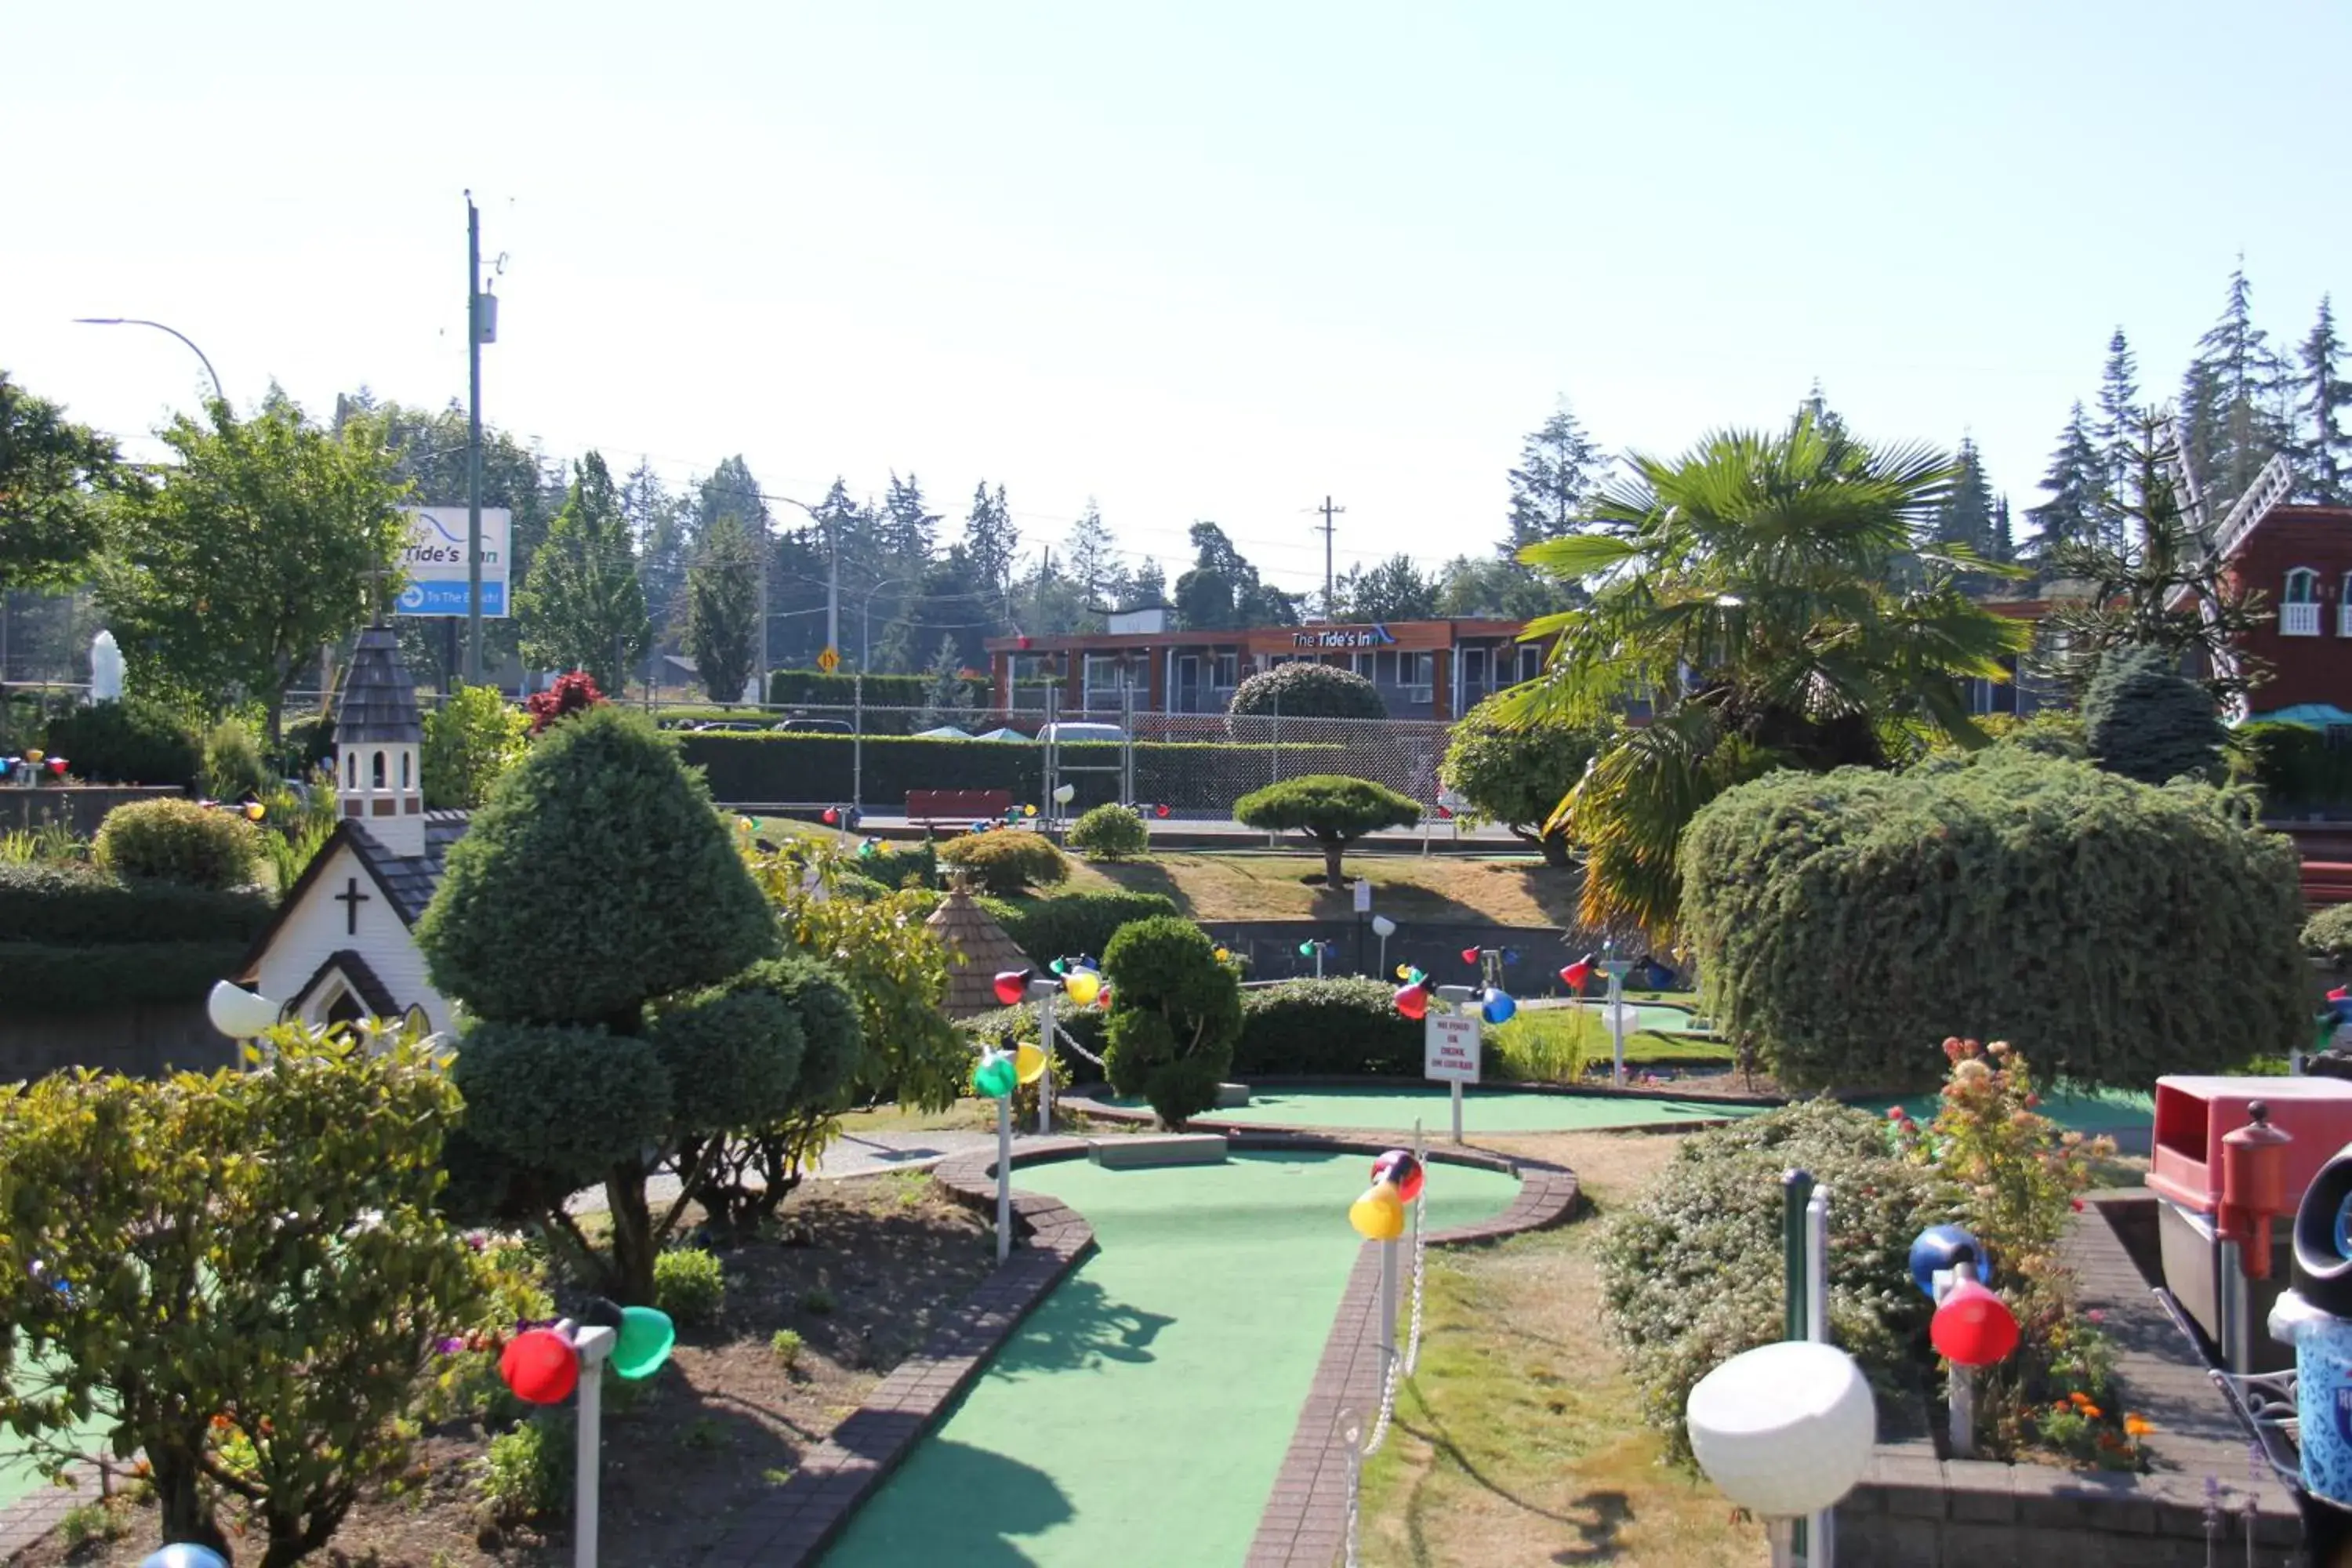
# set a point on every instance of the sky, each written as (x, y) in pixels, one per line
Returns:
(1209, 261)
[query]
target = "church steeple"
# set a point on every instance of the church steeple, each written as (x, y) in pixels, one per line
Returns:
(379, 742)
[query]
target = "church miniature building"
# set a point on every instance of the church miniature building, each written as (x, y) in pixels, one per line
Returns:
(341, 946)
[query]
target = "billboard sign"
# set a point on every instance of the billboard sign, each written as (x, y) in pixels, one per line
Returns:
(434, 560)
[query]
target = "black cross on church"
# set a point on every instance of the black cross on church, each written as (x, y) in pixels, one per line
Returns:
(351, 898)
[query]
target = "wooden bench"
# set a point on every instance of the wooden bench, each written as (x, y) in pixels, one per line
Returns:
(1142, 1151)
(959, 805)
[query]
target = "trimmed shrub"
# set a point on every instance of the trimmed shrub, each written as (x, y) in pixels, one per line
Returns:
(732, 1054)
(80, 906)
(526, 1473)
(1007, 1027)
(691, 1285)
(234, 767)
(1303, 689)
(2145, 719)
(1006, 861)
(127, 743)
(1689, 1272)
(469, 740)
(917, 867)
(2294, 766)
(1516, 776)
(178, 841)
(1072, 924)
(1175, 1013)
(1845, 923)
(1312, 1027)
(2328, 934)
(814, 689)
(561, 1099)
(1110, 832)
(38, 978)
(1331, 809)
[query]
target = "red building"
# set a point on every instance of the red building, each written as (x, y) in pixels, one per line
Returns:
(2299, 558)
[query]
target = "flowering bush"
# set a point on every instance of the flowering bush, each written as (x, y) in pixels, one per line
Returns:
(2018, 1178)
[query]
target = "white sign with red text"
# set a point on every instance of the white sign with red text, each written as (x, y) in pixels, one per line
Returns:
(1450, 1046)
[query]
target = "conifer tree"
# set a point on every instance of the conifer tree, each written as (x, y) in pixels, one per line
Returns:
(2238, 401)
(723, 608)
(1091, 555)
(2073, 485)
(1559, 466)
(2118, 398)
(991, 538)
(947, 700)
(908, 527)
(2322, 449)
(1966, 516)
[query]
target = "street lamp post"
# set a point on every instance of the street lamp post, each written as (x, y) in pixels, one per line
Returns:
(218, 396)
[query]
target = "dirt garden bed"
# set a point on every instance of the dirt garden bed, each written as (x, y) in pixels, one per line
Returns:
(861, 1269)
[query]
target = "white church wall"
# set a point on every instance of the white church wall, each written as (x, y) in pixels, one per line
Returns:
(322, 925)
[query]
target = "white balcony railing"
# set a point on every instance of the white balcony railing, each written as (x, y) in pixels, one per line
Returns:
(2344, 619)
(2298, 620)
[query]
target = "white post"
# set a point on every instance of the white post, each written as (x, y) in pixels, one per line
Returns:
(1821, 1529)
(1003, 1178)
(1616, 968)
(595, 1345)
(1318, 961)
(1045, 1079)
(1457, 1110)
(1782, 1533)
(1959, 1389)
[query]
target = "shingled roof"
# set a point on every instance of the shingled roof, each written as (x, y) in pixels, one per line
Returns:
(409, 880)
(977, 949)
(378, 701)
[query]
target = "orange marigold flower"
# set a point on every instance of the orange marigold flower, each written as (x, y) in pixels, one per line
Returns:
(2138, 1425)
(2091, 1411)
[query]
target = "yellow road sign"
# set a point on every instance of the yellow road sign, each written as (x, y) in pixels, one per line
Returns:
(829, 661)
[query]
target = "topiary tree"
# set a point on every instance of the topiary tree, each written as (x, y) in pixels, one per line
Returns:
(2145, 719)
(1517, 774)
(598, 924)
(1007, 862)
(1330, 808)
(1305, 689)
(1110, 832)
(1175, 1013)
(260, 1331)
(1844, 925)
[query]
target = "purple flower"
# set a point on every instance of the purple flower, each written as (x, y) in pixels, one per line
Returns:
(448, 1346)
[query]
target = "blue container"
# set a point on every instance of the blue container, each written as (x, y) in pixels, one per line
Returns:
(2323, 1400)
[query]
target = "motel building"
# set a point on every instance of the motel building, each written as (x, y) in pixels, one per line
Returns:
(1425, 669)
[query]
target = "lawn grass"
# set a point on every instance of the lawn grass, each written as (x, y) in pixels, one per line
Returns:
(1515, 1439)
(1256, 884)
(1560, 1045)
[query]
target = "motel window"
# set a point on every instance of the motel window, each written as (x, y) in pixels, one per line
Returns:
(1530, 661)
(1228, 668)
(2301, 586)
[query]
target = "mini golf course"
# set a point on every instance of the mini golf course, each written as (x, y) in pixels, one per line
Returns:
(1142, 1413)
(1483, 1111)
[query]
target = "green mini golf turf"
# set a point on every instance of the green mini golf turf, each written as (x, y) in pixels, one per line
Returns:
(20, 1473)
(1483, 1111)
(2088, 1110)
(1140, 1413)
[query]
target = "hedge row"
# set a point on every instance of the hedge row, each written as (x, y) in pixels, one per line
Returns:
(814, 766)
(1048, 929)
(39, 977)
(1316, 1028)
(1846, 923)
(71, 906)
(815, 686)
(2297, 769)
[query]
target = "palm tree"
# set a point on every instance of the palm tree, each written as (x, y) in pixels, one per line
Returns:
(1768, 596)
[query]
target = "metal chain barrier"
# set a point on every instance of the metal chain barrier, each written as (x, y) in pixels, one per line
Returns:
(1351, 1428)
(1400, 1366)
(1063, 1036)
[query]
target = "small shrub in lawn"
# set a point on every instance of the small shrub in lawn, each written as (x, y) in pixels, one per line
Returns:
(786, 1343)
(1175, 1013)
(817, 1302)
(689, 1284)
(913, 865)
(1110, 832)
(178, 841)
(1006, 861)
(1332, 809)
(526, 1474)
(1303, 689)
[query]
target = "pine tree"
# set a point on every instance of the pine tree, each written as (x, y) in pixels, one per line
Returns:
(657, 522)
(2074, 484)
(1559, 466)
(2323, 451)
(946, 699)
(1816, 405)
(2118, 399)
(1148, 586)
(908, 528)
(1965, 517)
(990, 538)
(581, 605)
(723, 607)
(1090, 553)
(730, 490)
(2237, 400)
(2003, 539)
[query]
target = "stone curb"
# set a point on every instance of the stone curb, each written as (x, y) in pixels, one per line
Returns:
(26, 1522)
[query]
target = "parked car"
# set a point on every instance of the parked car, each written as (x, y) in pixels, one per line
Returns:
(817, 726)
(1066, 733)
(730, 726)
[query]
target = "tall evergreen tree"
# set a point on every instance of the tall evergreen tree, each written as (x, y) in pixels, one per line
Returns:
(730, 490)
(947, 700)
(991, 538)
(2237, 403)
(909, 527)
(2118, 405)
(1395, 590)
(2074, 484)
(1558, 467)
(581, 605)
(1966, 516)
(723, 607)
(1224, 589)
(2322, 449)
(2003, 538)
(1147, 584)
(1090, 555)
(657, 521)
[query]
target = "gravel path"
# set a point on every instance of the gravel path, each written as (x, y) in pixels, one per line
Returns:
(854, 1154)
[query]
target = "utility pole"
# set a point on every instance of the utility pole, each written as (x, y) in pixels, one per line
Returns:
(473, 443)
(1328, 511)
(833, 589)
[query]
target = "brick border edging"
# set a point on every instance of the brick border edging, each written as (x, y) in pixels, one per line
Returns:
(1083, 1097)
(794, 1523)
(26, 1522)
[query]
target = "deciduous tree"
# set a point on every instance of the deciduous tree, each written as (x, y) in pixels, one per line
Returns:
(53, 473)
(582, 606)
(723, 608)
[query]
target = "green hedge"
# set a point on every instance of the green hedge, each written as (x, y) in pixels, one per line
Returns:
(1048, 929)
(38, 977)
(127, 743)
(2296, 769)
(1313, 1027)
(786, 687)
(814, 766)
(63, 905)
(1846, 923)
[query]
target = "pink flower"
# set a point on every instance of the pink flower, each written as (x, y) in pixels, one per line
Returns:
(2074, 1204)
(1895, 1114)
(2096, 1314)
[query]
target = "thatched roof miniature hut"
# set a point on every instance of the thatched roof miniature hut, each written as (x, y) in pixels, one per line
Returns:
(977, 950)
